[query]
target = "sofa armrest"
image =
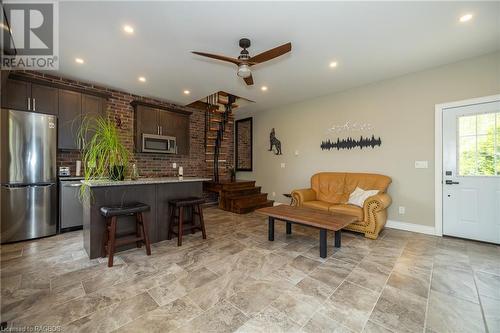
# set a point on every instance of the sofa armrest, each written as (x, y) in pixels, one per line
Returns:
(377, 202)
(300, 196)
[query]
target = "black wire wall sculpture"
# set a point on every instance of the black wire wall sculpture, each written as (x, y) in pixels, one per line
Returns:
(351, 143)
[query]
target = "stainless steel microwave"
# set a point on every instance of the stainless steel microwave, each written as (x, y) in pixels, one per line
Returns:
(159, 144)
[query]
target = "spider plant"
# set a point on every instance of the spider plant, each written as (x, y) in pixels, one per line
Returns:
(104, 156)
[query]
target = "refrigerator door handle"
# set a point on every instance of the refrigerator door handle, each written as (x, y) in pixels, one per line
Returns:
(29, 103)
(34, 104)
(43, 185)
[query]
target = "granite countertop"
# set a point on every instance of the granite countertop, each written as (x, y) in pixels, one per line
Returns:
(142, 181)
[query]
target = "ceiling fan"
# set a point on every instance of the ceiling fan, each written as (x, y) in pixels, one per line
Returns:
(244, 61)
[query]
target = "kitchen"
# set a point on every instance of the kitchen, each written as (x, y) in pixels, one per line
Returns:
(164, 141)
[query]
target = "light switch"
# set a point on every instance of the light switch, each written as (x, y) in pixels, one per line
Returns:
(421, 164)
(282, 165)
(296, 153)
(174, 165)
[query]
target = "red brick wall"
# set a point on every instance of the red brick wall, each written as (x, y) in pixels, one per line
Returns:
(150, 165)
(244, 145)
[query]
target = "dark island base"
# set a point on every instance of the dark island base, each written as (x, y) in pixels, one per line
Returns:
(154, 195)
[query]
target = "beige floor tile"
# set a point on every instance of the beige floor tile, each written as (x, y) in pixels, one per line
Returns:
(450, 314)
(400, 310)
(350, 305)
(223, 317)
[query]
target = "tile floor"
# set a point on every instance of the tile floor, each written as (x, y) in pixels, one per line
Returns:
(238, 281)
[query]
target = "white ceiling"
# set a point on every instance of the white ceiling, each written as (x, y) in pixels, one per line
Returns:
(370, 41)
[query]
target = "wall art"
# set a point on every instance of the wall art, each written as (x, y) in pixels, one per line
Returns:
(350, 126)
(274, 142)
(351, 143)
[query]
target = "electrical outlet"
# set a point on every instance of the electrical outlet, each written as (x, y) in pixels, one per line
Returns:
(402, 210)
(174, 165)
(282, 165)
(296, 153)
(421, 164)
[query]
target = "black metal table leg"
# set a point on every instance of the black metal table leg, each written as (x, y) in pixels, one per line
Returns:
(271, 228)
(338, 236)
(288, 228)
(322, 243)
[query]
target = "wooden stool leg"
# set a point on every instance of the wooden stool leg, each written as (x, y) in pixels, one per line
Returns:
(145, 233)
(202, 222)
(138, 230)
(193, 222)
(111, 243)
(105, 239)
(180, 226)
(171, 221)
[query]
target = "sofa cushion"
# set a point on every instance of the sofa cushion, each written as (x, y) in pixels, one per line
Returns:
(329, 186)
(366, 181)
(316, 204)
(347, 209)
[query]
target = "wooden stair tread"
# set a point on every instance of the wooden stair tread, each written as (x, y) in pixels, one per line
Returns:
(244, 210)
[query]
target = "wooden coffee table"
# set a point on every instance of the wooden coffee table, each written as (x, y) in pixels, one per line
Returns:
(309, 217)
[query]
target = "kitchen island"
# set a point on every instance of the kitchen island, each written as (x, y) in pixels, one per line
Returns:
(155, 192)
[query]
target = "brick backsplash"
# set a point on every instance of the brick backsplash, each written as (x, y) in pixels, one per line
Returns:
(149, 165)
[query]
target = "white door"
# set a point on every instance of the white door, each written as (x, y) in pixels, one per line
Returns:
(471, 172)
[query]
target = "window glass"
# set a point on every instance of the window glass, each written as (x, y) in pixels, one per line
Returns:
(479, 145)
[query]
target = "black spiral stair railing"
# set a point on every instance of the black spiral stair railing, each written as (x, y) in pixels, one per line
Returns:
(212, 102)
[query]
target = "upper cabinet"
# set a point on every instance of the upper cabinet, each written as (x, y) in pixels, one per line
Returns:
(27, 96)
(160, 120)
(69, 120)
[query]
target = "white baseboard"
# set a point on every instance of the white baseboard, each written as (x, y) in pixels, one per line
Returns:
(422, 229)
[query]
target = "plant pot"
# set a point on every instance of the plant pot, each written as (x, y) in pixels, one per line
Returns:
(117, 172)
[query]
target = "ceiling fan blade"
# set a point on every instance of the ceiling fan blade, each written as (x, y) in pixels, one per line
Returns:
(249, 80)
(272, 53)
(218, 57)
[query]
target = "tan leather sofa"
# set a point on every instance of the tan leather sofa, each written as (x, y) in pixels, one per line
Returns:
(330, 192)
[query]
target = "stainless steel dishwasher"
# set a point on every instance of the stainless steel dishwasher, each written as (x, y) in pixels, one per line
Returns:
(70, 207)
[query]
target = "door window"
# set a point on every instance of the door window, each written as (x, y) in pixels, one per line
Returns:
(479, 144)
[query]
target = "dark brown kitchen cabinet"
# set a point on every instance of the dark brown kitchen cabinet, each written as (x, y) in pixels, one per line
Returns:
(27, 96)
(92, 106)
(44, 99)
(16, 95)
(73, 108)
(176, 125)
(160, 120)
(69, 120)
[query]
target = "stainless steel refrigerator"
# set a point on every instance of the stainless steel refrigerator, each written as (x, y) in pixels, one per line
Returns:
(28, 196)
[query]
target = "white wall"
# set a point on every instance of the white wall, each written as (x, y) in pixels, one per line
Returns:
(401, 110)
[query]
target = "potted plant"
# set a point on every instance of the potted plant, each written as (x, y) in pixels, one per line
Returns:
(103, 155)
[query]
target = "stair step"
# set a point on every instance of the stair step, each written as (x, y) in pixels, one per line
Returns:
(211, 153)
(268, 203)
(247, 200)
(242, 191)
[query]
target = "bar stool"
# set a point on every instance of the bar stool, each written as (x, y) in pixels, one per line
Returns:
(176, 216)
(111, 240)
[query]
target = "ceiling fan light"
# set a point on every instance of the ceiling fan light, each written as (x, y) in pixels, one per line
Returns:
(244, 71)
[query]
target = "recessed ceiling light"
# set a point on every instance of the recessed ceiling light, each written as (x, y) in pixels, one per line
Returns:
(128, 29)
(465, 18)
(142, 79)
(186, 92)
(263, 88)
(79, 60)
(333, 64)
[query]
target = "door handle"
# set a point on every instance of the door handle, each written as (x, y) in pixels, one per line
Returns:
(73, 185)
(451, 182)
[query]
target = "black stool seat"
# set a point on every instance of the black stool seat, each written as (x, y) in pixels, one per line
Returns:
(190, 201)
(124, 209)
